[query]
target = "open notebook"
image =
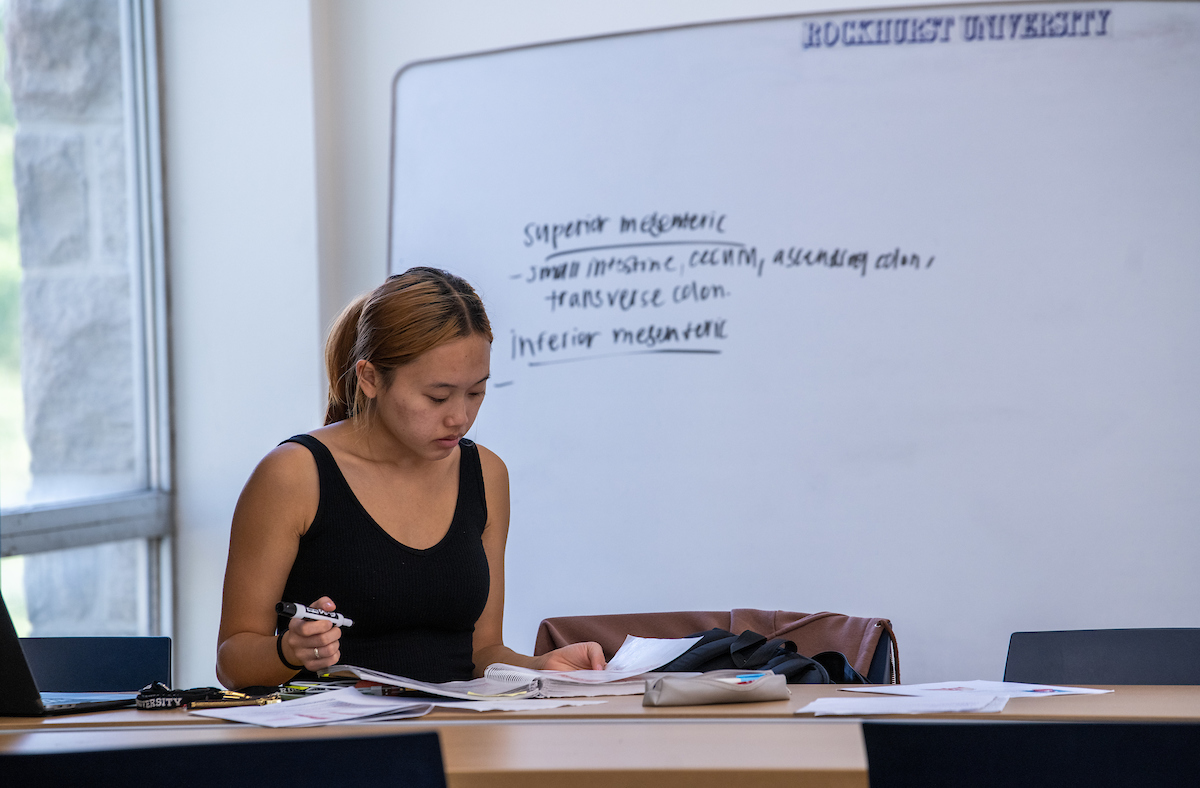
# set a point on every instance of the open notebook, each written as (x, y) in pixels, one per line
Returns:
(20, 696)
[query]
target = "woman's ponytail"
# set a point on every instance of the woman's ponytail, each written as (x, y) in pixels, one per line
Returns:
(340, 362)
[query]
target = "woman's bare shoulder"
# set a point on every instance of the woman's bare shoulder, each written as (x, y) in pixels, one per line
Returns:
(287, 460)
(285, 477)
(493, 466)
(495, 486)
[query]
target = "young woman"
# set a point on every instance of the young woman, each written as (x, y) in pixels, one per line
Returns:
(386, 514)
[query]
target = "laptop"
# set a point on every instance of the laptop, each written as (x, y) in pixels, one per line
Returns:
(20, 696)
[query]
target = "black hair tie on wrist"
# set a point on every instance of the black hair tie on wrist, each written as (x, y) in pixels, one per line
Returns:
(283, 659)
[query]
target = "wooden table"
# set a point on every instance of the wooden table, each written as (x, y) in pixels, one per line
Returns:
(615, 743)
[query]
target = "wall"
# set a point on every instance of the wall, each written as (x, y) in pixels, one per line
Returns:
(239, 166)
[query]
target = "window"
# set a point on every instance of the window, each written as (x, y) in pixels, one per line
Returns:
(84, 437)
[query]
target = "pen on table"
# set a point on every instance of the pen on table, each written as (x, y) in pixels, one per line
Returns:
(297, 610)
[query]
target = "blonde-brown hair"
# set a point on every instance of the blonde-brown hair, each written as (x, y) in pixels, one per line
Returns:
(409, 314)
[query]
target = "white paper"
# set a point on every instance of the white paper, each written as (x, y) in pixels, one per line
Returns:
(522, 704)
(475, 689)
(642, 655)
(635, 657)
(551, 684)
(940, 704)
(1009, 689)
(328, 707)
(552, 688)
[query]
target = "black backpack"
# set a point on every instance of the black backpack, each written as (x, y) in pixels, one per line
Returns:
(720, 649)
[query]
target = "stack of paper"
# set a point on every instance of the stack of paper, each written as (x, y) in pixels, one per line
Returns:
(938, 698)
(1007, 689)
(475, 689)
(350, 705)
(636, 657)
(855, 707)
(321, 709)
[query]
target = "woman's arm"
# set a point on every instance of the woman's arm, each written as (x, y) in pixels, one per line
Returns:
(275, 508)
(488, 644)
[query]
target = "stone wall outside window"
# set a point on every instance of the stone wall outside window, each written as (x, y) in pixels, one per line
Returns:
(77, 324)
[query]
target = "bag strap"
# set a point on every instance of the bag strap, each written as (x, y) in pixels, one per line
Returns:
(895, 649)
(799, 669)
(746, 646)
(839, 668)
(769, 650)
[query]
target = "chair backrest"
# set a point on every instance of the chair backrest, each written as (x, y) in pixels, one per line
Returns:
(412, 760)
(868, 643)
(98, 664)
(1025, 754)
(1105, 656)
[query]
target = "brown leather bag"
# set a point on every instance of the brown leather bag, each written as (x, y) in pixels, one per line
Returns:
(856, 637)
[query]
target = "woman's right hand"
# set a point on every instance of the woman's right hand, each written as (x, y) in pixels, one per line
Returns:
(313, 644)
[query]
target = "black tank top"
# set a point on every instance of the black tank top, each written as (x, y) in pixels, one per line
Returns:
(414, 611)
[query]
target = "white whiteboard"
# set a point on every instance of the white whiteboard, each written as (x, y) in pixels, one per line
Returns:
(945, 368)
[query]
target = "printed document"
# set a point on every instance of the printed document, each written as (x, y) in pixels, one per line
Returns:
(323, 709)
(350, 705)
(1009, 689)
(941, 704)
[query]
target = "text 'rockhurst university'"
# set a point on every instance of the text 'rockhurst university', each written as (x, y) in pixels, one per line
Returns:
(935, 29)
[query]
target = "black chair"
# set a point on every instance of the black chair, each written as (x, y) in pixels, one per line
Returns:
(1105, 656)
(410, 760)
(1031, 754)
(98, 664)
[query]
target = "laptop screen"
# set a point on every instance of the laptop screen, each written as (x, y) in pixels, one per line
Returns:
(21, 698)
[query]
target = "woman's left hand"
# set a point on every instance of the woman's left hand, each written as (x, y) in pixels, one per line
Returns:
(577, 656)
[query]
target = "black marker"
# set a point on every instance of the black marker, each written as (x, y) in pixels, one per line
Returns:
(297, 610)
